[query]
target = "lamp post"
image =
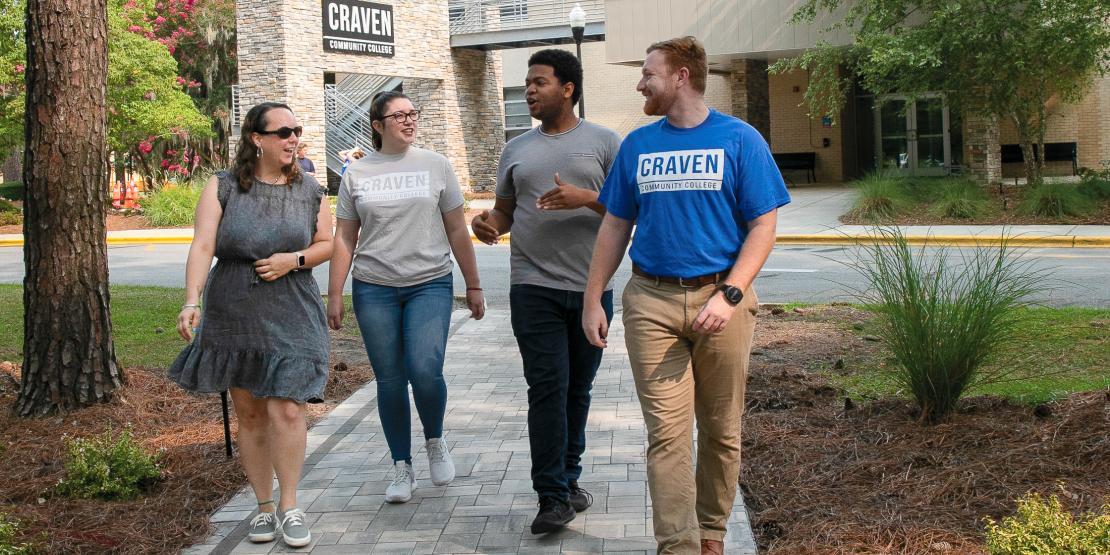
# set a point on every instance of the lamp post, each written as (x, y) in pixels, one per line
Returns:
(577, 29)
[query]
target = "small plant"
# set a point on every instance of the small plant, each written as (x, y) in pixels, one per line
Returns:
(10, 214)
(11, 190)
(171, 206)
(960, 198)
(9, 529)
(944, 320)
(107, 467)
(1055, 201)
(1096, 184)
(881, 197)
(1045, 527)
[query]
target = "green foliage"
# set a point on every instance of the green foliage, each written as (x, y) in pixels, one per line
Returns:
(171, 206)
(13, 56)
(11, 190)
(107, 467)
(9, 530)
(960, 198)
(1045, 527)
(1096, 184)
(943, 321)
(998, 58)
(1055, 200)
(880, 196)
(144, 97)
(10, 214)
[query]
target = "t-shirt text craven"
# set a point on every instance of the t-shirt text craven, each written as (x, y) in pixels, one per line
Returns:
(684, 170)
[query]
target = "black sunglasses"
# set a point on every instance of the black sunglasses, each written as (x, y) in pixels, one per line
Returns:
(284, 132)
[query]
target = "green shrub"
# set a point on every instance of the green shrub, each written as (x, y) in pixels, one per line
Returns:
(171, 206)
(959, 198)
(1096, 185)
(10, 214)
(881, 196)
(106, 467)
(1045, 527)
(1055, 201)
(9, 529)
(11, 190)
(943, 319)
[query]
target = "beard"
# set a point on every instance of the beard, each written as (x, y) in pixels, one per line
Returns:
(657, 105)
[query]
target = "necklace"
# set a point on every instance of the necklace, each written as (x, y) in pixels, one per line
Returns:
(279, 181)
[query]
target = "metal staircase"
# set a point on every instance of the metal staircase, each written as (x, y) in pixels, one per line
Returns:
(346, 109)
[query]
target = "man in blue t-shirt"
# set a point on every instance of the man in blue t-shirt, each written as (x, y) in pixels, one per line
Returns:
(702, 190)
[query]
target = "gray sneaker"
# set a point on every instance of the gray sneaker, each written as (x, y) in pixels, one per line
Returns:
(294, 531)
(264, 528)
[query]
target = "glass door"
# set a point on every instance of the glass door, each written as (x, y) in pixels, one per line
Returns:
(913, 136)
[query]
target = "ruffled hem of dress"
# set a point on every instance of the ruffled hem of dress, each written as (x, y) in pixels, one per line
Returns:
(264, 374)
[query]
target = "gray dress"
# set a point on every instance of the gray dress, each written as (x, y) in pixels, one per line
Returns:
(269, 338)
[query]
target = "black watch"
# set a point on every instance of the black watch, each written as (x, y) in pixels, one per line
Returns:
(733, 295)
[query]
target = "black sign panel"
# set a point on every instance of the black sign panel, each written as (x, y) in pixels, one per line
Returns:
(357, 27)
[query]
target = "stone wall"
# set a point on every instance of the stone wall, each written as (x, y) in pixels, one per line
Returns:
(750, 94)
(281, 57)
(482, 108)
(984, 155)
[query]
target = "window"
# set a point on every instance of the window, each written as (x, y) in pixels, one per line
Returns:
(517, 120)
(514, 10)
(455, 13)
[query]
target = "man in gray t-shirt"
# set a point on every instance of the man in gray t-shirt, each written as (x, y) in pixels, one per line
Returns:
(547, 188)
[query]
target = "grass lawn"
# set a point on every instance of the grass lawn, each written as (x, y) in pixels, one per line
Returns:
(1058, 351)
(138, 313)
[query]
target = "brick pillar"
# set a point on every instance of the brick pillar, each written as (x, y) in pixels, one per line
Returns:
(481, 107)
(984, 159)
(12, 168)
(750, 96)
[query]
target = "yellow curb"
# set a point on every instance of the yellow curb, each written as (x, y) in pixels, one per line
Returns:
(1057, 241)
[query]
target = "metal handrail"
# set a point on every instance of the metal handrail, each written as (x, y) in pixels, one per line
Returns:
(480, 16)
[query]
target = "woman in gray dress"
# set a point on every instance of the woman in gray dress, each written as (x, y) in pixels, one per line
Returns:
(263, 335)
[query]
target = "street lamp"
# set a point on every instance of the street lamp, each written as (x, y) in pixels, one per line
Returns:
(577, 29)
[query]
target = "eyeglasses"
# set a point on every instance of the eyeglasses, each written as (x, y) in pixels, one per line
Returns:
(400, 117)
(283, 132)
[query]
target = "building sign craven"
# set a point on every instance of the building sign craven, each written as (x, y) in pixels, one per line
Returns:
(357, 27)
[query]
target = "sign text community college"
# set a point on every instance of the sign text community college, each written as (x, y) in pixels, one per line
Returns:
(358, 27)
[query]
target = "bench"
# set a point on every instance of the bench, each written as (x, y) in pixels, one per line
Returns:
(1053, 152)
(806, 161)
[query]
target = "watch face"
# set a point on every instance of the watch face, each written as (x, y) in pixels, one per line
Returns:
(733, 295)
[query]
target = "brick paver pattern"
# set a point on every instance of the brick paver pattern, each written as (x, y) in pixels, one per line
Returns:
(490, 504)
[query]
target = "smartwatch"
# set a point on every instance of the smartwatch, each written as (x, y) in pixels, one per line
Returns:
(300, 260)
(733, 295)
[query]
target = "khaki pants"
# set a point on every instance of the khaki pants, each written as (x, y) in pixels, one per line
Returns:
(679, 375)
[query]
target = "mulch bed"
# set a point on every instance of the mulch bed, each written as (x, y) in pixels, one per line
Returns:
(116, 221)
(1009, 198)
(188, 429)
(823, 474)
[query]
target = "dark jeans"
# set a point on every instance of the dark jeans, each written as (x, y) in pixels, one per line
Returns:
(559, 366)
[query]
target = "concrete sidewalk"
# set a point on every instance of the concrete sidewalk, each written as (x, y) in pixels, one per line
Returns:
(810, 219)
(490, 505)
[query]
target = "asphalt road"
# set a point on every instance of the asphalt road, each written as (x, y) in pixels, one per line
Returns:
(809, 274)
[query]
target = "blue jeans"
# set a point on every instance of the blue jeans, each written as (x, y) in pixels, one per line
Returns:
(559, 366)
(405, 332)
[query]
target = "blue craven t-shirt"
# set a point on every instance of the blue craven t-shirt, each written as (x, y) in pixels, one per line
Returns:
(691, 192)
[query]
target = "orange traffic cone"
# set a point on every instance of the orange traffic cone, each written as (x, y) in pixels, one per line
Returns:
(131, 196)
(117, 195)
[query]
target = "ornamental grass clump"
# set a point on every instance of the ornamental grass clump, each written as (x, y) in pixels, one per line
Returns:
(942, 318)
(881, 197)
(108, 467)
(1058, 200)
(172, 206)
(1045, 527)
(960, 198)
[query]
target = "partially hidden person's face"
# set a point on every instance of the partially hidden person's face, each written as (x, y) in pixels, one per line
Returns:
(398, 125)
(275, 149)
(545, 95)
(658, 83)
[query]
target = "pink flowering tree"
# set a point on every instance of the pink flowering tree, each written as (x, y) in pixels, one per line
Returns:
(13, 56)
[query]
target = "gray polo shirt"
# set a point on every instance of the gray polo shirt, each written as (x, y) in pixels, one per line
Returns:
(399, 201)
(552, 248)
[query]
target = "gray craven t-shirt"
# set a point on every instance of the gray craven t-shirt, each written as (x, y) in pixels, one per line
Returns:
(399, 200)
(552, 248)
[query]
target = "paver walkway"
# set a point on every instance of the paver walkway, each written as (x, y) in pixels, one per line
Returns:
(489, 506)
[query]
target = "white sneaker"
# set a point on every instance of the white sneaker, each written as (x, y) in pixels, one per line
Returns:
(439, 458)
(404, 481)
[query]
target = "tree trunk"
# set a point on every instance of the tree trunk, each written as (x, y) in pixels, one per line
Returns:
(1026, 139)
(69, 360)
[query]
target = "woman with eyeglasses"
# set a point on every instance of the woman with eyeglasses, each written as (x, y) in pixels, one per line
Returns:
(399, 219)
(262, 334)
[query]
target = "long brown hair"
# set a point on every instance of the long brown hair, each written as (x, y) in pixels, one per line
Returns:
(377, 113)
(246, 154)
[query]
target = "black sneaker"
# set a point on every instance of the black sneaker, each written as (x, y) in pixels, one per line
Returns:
(554, 515)
(580, 499)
